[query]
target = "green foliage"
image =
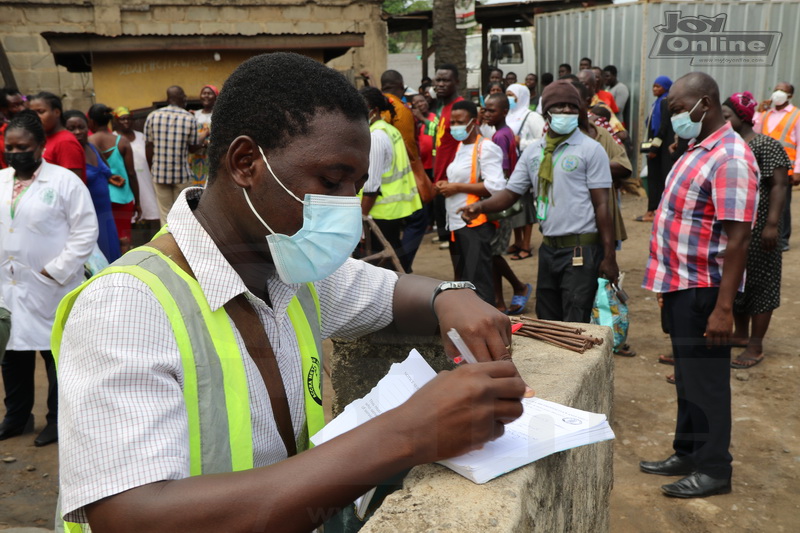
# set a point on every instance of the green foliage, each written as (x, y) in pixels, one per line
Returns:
(398, 7)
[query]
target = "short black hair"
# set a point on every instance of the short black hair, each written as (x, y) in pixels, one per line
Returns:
(601, 111)
(468, 106)
(587, 59)
(611, 69)
(566, 66)
(392, 77)
(53, 101)
(101, 114)
(511, 73)
(262, 99)
(569, 77)
(495, 84)
(373, 97)
(452, 68)
(547, 78)
(501, 98)
(74, 113)
(29, 121)
(495, 69)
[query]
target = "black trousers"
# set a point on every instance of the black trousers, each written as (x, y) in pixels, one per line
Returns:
(440, 217)
(472, 253)
(702, 378)
(18, 368)
(565, 292)
(786, 217)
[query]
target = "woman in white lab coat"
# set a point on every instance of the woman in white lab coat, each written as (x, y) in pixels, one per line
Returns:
(48, 228)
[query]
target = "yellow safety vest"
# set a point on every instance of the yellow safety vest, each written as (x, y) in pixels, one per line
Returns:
(399, 196)
(215, 384)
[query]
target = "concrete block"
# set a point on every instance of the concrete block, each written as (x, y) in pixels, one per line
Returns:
(22, 43)
(216, 28)
(168, 14)
(11, 15)
(304, 12)
(310, 27)
(233, 13)
(568, 491)
(76, 14)
(251, 28)
(153, 28)
(106, 14)
(42, 15)
(183, 28)
(201, 13)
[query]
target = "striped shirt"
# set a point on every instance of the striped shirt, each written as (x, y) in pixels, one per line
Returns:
(171, 130)
(713, 181)
(122, 416)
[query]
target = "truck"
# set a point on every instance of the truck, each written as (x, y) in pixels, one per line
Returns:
(511, 50)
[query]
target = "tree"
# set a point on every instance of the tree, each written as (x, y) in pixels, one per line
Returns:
(450, 43)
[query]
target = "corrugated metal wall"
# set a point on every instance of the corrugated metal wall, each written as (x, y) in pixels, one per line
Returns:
(623, 35)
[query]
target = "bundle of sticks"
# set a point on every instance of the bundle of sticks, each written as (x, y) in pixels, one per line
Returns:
(557, 334)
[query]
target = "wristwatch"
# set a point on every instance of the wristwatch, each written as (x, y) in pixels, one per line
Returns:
(450, 285)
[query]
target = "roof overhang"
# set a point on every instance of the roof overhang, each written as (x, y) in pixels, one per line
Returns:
(75, 50)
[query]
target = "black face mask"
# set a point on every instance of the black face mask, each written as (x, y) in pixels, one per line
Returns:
(21, 161)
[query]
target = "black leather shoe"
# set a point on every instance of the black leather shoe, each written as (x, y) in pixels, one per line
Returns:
(697, 485)
(672, 466)
(7, 430)
(48, 435)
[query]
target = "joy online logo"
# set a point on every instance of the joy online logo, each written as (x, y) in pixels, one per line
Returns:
(705, 40)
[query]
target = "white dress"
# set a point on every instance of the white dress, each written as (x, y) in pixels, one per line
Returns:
(147, 193)
(54, 227)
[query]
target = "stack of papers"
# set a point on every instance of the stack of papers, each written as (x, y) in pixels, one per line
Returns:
(543, 429)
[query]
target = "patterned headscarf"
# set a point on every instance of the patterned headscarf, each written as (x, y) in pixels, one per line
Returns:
(743, 104)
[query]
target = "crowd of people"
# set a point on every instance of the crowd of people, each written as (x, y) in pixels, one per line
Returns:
(416, 162)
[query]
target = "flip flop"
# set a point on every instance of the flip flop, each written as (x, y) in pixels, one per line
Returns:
(520, 300)
(513, 250)
(670, 379)
(625, 351)
(519, 257)
(746, 363)
(666, 359)
(642, 218)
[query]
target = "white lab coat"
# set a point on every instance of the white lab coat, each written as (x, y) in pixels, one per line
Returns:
(55, 228)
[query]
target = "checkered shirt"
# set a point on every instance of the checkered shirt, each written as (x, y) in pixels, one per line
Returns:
(713, 181)
(122, 416)
(171, 129)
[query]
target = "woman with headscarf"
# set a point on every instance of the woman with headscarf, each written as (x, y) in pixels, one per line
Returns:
(762, 290)
(659, 156)
(198, 160)
(97, 176)
(528, 126)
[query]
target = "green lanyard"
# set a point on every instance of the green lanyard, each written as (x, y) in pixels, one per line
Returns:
(16, 200)
(543, 202)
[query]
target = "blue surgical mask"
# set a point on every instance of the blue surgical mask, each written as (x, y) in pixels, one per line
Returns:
(331, 230)
(684, 126)
(563, 124)
(460, 133)
(512, 103)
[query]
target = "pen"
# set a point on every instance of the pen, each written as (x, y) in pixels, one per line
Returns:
(466, 355)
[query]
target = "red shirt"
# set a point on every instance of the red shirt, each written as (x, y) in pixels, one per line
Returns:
(608, 99)
(425, 143)
(64, 150)
(446, 146)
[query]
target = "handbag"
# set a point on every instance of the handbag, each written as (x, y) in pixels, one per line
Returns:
(609, 310)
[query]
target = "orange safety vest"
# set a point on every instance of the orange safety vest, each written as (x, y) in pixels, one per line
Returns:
(783, 131)
(473, 178)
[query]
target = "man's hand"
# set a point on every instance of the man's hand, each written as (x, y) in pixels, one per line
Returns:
(447, 189)
(470, 212)
(795, 179)
(719, 327)
(608, 268)
(769, 237)
(137, 213)
(459, 411)
(764, 105)
(485, 330)
(46, 274)
(418, 115)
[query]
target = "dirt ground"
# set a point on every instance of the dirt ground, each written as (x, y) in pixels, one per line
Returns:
(766, 430)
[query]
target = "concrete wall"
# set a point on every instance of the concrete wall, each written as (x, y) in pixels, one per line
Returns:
(565, 492)
(21, 24)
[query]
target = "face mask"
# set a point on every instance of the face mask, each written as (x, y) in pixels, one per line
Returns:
(563, 124)
(21, 161)
(331, 230)
(685, 127)
(779, 98)
(460, 133)
(432, 92)
(512, 103)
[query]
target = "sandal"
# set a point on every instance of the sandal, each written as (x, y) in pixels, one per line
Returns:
(746, 363)
(521, 254)
(625, 351)
(645, 218)
(513, 249)
(666, 359)
(670, 379)
(519, 301)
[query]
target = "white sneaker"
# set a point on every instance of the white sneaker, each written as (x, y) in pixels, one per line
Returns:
(435, 239)
(444, 246)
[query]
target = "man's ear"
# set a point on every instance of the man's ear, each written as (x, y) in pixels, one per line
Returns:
(242, 160)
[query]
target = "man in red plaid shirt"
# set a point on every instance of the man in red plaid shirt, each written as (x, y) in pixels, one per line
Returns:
(704, 219)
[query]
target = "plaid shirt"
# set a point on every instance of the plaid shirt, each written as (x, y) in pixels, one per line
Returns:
(171, 129)
(713, 181)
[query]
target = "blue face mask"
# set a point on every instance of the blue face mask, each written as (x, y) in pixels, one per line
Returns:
(512, 103)
(460, 133)
(331, 230)
(684, 126)
(563, 124)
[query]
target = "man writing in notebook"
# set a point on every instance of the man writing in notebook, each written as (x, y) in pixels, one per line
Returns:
(192, 356)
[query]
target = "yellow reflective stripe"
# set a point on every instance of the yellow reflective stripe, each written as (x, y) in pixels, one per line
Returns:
(237, 399)
(72, 527)
(315, 418)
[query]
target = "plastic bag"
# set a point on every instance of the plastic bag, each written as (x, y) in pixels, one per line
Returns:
(609, 311)
(95, 263)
